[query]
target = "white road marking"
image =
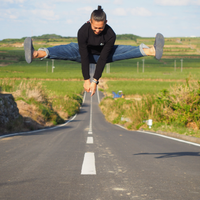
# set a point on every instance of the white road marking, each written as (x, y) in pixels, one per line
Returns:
(164, 136)
(45, 129)
(40, 130)
(84, 97)
(90, 126)
(88, 167)
(90, 140)
(171, 138)
(120, 126)
(98, 95)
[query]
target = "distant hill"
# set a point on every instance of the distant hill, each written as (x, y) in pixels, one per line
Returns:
(42, 37)
(51, 36)
(59, 37)
(48, 36)
(127, 37)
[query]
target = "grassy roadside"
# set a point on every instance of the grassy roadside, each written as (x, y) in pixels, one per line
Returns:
(43, 103)
(174, 109)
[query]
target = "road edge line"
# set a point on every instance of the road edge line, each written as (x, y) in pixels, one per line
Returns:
(44, 129)
(163, 135)
(171, 138)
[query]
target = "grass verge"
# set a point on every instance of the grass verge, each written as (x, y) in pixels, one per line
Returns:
(176, 109)
(44, 103)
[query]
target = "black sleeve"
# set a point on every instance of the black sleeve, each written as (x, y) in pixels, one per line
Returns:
(82, 42)
(103, 57)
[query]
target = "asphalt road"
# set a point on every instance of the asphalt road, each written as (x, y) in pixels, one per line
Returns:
(91, 159)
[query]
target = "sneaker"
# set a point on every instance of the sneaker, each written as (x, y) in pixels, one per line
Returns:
(28, 48)
(158, 45)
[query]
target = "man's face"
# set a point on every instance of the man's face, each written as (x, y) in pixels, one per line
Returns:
(97, 26)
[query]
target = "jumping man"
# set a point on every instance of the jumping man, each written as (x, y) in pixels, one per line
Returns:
(96, 41)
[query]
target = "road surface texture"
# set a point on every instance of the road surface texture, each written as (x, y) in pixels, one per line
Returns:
(91, 159)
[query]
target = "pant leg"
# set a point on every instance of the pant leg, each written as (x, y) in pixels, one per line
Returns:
(122, 52)
(67, 52)
(71, 52)
(64, 52)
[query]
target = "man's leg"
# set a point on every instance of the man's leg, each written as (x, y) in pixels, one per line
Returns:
(121, 52)
(39, 54)
(63, 52)
(150, 51)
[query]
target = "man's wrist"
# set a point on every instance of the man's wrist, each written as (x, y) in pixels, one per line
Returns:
(95, 81)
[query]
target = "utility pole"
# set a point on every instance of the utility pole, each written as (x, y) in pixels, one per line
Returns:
(181, 65)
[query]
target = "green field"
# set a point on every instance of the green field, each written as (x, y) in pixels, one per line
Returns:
(128, 75)
(132, 68)
(138, 87)
(42, 70)
(62, 88)
(154, 69)
(180, 64)
(169, 67)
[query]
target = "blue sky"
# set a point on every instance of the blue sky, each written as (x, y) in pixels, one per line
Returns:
(172, 18)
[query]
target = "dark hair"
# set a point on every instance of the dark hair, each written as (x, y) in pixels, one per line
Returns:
(98, 15)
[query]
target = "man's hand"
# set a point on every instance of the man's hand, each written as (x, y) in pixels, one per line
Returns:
(93, 87)
(87, 85)
(90, 87)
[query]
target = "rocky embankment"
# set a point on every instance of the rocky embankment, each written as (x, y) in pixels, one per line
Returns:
(10, 119)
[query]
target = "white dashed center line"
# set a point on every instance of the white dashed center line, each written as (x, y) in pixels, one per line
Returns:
(90, 140)
(88, 167)
(90, 126)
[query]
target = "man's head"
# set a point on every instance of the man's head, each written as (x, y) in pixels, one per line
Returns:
(98, 20)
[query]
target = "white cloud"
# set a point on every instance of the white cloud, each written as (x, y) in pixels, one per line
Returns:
(9, 14)
(13, 17)
(45, 14)
(118, 1)
(43, 5)
(69, 21)
(120, 12)
(177, 2)
(134, 11)
(93, 1)
(140, 11)
(63, 1)
(13, 1)
(86, 9)
(80, 1)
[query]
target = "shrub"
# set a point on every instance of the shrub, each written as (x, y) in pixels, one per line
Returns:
(178, 106)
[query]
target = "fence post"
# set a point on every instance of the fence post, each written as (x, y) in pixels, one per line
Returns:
(174, 65)
(181, 65)
(108, 68)
(143, 65)
(47, 66)
(53, 65)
